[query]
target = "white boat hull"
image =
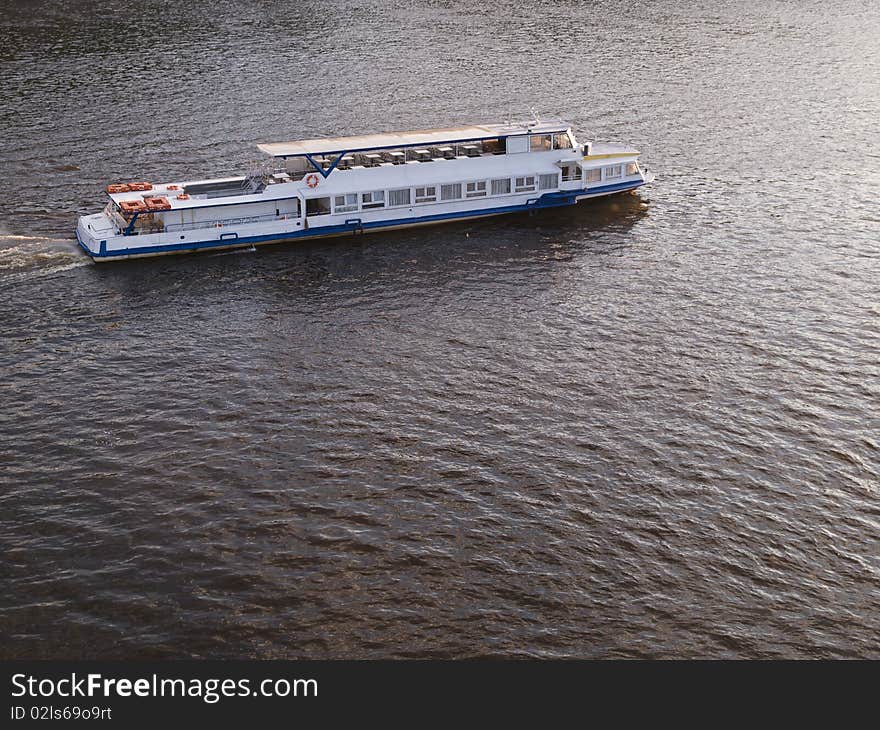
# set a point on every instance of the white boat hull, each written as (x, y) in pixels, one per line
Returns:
(247, 236)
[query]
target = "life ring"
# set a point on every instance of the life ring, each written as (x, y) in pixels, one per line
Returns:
(312, 180)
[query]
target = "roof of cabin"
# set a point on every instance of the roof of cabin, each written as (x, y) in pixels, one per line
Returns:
(407, 139)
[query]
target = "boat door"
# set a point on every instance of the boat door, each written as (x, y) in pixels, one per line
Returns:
(289, 208)
(314, 208)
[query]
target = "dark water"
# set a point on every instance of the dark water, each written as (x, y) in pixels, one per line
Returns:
(648, 427)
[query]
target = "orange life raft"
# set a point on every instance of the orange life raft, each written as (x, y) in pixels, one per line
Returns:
(133, 206)
(159, 202)
(129, 187)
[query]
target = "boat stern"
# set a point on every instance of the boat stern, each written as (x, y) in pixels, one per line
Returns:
(92, 232)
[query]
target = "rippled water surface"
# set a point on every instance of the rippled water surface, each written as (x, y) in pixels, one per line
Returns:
(644, 427)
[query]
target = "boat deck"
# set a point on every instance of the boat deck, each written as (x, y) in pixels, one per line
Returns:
(601, 150)
(413, 138)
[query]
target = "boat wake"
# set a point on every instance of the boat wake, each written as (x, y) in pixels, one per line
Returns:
(237, 251)
(11, 237)
(28, 257)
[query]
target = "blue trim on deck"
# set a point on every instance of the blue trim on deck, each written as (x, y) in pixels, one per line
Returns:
(130, 227)
(325, 173)
(548, 200)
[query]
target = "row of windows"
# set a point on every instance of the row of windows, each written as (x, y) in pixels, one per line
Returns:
(542, 142)
(352, 202)
(612, 172)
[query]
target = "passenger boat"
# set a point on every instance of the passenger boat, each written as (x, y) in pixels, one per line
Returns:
(352, 185)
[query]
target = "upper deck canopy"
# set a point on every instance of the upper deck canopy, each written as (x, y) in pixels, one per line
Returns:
(334, 145)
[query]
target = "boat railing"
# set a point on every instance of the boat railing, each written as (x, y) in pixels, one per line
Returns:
(221, 222)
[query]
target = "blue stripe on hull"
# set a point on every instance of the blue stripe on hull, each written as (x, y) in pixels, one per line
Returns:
(548, 200)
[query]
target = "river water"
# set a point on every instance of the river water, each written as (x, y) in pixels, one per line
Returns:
(644, 427)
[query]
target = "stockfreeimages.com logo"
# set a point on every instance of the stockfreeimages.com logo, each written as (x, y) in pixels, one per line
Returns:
(209, 690)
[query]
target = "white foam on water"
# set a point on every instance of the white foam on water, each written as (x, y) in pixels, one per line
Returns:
(250, 249)
(39, 256)
(11, 237)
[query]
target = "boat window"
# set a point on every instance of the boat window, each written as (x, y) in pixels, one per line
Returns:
(218, 188)
(541, 142)
(614, 171)
(518, 143)
(571, 173)
(288, 207)
(450, 192)
(426, 195)
(562, 141)
(594, 175)
(525, 184)
(501, 186)
(375, 199)
(345, 203)
(493, 146)
(632, 168)
(398, 197)
(547, 182)
(317, 206)
(475, 189)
